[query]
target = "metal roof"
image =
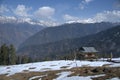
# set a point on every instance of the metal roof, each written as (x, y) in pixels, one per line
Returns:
(88, 49)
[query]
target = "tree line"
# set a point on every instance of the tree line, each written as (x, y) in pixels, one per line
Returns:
(8, 56)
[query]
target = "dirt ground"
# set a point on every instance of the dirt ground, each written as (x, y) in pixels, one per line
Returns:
(110, 72)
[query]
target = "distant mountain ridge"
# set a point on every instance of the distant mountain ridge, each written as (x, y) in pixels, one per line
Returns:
(106, 41)
(66, 31)
(16, 33)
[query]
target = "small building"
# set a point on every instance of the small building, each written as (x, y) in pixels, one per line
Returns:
(88, 53)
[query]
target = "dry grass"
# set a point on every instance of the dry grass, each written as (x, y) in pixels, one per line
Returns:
(110, 72)
(32, 67)
(64, 67)
(53, 65)
(45, 69)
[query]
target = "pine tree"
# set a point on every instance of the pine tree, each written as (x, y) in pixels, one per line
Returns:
(0, 56)
(24, 59)
(12, 55)
(4, 55)
(18, 60)
(30, 60)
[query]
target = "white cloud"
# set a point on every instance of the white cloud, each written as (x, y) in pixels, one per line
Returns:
(48, 23)
(6, 19)
(45, 16)
(106, 16)
(87, 1)
(45, 12)
(73, 19)
(69, 17)
(12, 19)
(3, 8)
(22, 11)
(83, 4)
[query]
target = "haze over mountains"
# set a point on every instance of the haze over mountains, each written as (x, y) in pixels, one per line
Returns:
(37, 41)
(60, 40)
(16, 33)
(66, 31)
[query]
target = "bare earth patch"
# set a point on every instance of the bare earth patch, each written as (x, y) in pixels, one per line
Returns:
(32, 67)
(64, 67)
(110, 72)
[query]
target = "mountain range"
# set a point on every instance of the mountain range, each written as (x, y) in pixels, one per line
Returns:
(62, 39)
(65, 31)
(16, 33)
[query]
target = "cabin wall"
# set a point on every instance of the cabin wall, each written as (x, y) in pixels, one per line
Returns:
(84, 56)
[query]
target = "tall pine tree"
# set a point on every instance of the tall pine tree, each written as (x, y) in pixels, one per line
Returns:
(4, 55)
(12, 55)
(1, 59)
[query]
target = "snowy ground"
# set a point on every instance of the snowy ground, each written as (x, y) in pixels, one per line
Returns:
(56, 65)
(63, 76)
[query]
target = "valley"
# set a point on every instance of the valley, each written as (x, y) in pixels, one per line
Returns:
(59, 39)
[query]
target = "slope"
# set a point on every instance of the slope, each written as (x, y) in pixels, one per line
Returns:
(16, 33)
(105, 41)
(66, 31)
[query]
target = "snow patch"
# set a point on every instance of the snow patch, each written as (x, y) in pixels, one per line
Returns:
(64, 77)
(32, 78)
(114, 78)
(51, 65)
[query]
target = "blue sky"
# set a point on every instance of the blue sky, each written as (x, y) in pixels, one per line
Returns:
(61, 11)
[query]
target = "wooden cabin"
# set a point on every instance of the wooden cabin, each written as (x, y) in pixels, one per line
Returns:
(88, 53)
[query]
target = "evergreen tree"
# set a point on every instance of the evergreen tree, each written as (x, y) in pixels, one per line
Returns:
(0, 56)
(30, 60)
(18, 60)
(4, 55)
(12, 55)
(24, 59)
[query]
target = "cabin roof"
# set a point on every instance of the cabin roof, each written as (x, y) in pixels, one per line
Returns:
(87, 49)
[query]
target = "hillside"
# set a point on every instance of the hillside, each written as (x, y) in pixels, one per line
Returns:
(62, 70)
(105, 41)
(66, 31)
(16, 33)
